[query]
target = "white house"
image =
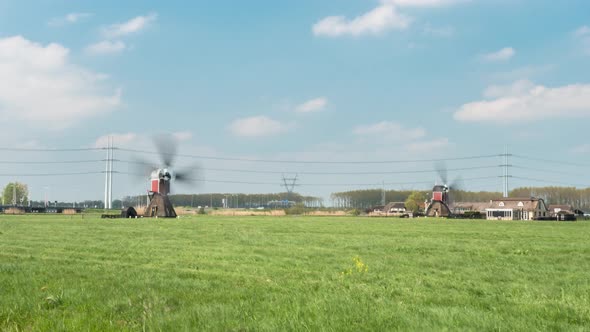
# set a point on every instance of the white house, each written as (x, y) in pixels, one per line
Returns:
(517, 208)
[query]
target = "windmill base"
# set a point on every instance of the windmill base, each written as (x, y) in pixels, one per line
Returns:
(160, 206)
(438, 209)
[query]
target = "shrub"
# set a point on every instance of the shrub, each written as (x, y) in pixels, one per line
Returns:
(296, 209)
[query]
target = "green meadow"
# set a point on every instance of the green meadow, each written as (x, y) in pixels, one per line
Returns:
(292, 273)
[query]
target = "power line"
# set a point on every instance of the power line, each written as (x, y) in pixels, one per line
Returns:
(50, 149)
(230, 170)
(551, 161)
(52, 174)
(545, 170)
(311, 162)
(549, 182)
(10, 162)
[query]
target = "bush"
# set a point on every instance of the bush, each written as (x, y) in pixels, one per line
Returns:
(355, 212)
(296, 209)
(201, 211)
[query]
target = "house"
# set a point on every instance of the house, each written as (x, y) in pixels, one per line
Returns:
(517, 208)
(564, 212)
(462, 207)
(395, 207)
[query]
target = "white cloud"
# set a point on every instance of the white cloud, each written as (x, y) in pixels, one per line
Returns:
(40, 85)
(378, 20)
(106, 47)
(388, 131)
(257, 126)
(132, 26)
(313, 105)
(502, 55)
(519, 73)
(68, 19)
(422, 3)
(118, 139)
(386, 134)
(526, 102)
(582, 31)
(183, 135)
(517, 88)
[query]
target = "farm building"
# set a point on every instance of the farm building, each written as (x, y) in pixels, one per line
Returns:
(395, 207)
(462, 207)
(515, 208)
(564, 212)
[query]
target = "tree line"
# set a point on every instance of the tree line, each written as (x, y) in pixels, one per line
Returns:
(354, 199)
(364, 199)
(220, 200)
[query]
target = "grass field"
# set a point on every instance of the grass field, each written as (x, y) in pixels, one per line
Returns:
(292, 273)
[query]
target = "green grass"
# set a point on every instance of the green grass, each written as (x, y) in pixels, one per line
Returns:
(292, 273)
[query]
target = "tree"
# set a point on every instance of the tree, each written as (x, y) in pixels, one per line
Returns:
(415, 200)
(15, 190)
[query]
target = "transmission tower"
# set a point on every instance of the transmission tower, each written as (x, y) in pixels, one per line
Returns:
(289, 184)
(505, 166)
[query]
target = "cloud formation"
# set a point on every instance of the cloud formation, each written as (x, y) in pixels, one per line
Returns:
(504, 54)
(130, 27)
(106, 47)
(40, 85)
(378, 20)
(422, 3)
(257, 126)
(313, 105)
(524, 101)
(70, 18)
(386, 133)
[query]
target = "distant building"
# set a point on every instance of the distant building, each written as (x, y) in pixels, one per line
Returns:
(564, 212)
(516, 208)
(395, 208)
(463, 207)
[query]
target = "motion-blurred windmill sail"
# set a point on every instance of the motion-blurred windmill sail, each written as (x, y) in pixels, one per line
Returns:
(162, 176)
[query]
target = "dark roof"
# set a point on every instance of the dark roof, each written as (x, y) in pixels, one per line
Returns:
(394, 205)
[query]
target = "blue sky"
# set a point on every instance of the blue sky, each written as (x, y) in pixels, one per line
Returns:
(347, 80)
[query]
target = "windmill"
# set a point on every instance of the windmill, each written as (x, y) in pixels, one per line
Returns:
(162, 176)
(441, 203)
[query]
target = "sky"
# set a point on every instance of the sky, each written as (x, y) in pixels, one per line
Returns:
(347, 94)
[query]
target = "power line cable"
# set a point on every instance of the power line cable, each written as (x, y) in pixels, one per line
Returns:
(11, 162)
(51, 174)
(551, 161)
(323, 173)
(549, 182)
(544, 170)
(50, 149)
(311, 162)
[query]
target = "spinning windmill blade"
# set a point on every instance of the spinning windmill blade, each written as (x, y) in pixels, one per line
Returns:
(454, 187)
(441, 169)
(167, 146)
(188, 175)
(140, 168)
